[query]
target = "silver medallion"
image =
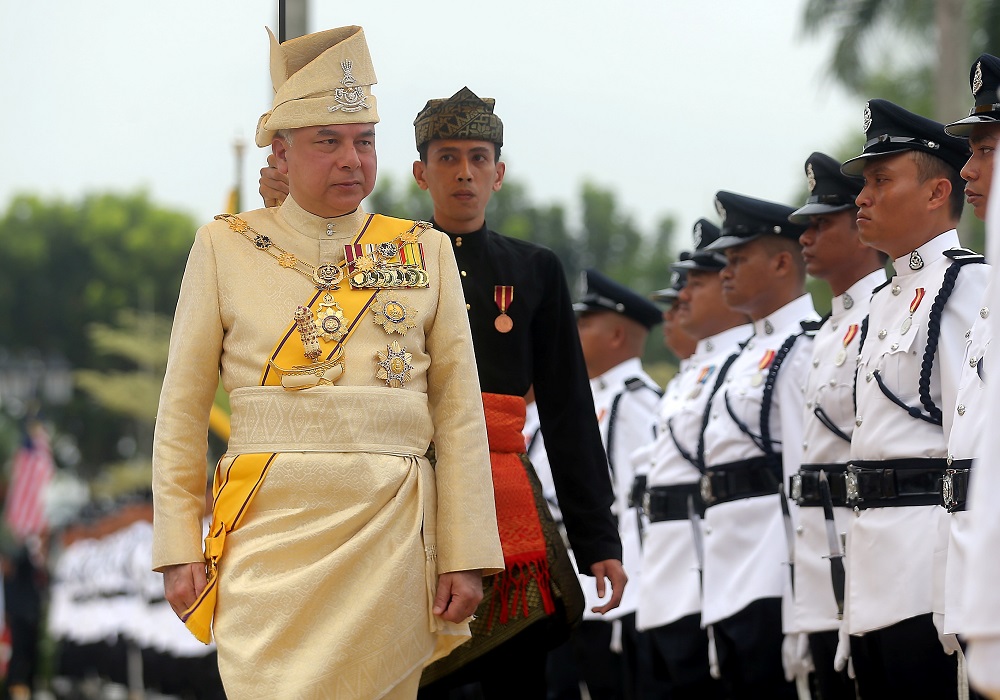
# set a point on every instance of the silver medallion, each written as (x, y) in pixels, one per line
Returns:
(905, 326)
(841, 357)
(757, 379)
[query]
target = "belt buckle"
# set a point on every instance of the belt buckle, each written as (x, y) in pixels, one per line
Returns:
(851, 486)
(705, 489)
(796, 488)
(645, 501)
(948, 489)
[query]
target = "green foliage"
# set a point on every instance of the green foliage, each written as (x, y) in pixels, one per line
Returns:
(80, 280)
(606, 237)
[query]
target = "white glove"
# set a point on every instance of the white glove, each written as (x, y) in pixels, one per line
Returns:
(843, 654)
(795, 656)
(948, 641)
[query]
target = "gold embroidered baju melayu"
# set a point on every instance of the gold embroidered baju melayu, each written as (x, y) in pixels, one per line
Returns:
(330, 527)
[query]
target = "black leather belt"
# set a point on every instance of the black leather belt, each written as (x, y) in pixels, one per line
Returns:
(747, 478)
(671, 502)
(898, 482)
(955, 485)
(803, 488)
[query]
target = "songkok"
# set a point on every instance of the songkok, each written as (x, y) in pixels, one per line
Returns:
(319, 79)
(890, 129)
(829, 189)
(745, 219)
(984, 79)
(600, 293)
(703, 234)
(464, 115)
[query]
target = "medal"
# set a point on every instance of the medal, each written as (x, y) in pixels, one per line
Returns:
(503, 295)
(841, 357)
(765, 362)
(393, 314)
(908, 321)
(331, 320)
(703, 376)
(757, 379)
(394, 365)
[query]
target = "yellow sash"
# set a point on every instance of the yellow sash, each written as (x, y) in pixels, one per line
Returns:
(234, 490)
(289, 352)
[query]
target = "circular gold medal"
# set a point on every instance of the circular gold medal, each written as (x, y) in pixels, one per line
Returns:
(503, 323)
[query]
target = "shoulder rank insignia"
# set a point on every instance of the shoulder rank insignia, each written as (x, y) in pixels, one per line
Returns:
(964, 256)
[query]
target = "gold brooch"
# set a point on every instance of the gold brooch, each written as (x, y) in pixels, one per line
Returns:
(393, 314)
(364, 264)
(394, 365)
(331, 320)
(287, 260)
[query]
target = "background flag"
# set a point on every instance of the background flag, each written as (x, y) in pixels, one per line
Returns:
(31, 472)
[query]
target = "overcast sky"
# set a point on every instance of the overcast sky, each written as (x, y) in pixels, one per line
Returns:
(664, 101)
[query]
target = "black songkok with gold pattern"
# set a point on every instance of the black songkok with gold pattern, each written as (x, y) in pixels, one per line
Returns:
(464, 115)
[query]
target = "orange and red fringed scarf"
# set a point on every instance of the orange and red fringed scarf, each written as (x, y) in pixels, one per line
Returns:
(524, 552)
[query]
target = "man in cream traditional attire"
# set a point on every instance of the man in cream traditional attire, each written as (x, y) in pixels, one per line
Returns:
(339, 563)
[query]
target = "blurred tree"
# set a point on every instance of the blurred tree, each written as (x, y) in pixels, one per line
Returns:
(881, 48)
(68, 265)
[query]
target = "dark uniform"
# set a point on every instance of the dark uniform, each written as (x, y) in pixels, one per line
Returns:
(524, 333)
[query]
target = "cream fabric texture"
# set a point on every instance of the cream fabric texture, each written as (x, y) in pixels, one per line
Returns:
(325, 590)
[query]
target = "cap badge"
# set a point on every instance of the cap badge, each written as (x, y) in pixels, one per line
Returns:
(721, 209)
(697, 235)
(977, 79)
(868, 118)
(848, 301)
(916, 262)
(675, 277)
(810, 177)
(351, 97)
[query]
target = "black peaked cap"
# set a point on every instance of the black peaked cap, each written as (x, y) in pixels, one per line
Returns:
(829, 189)
(601, 293)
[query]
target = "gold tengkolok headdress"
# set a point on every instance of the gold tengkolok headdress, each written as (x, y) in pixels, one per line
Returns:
(319, 79)
(464, 115)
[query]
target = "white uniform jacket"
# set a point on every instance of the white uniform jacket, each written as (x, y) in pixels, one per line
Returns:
(670, 588)
(746, 550)
(970, 423)
(625, 398)
(896, 555)
(829, 392)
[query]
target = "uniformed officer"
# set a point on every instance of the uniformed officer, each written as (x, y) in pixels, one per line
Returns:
(982, 128)
(614, 323)
(833, 253)
(982, 604)
(675, 339)
(755, 422)
(908, 373)
(670, 589)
